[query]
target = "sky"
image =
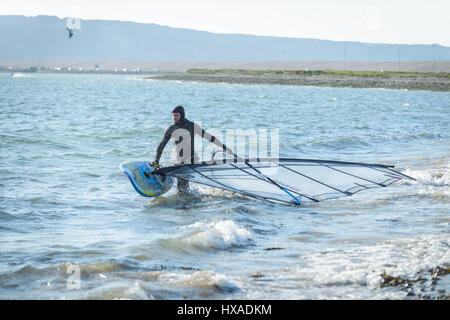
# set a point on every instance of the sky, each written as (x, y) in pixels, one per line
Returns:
(371, 21)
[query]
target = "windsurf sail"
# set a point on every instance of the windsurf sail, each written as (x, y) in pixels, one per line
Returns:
(292, 181)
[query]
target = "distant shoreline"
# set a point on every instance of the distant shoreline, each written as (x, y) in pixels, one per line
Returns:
(411, 81)
(328, 78)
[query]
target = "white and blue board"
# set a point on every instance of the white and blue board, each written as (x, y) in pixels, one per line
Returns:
(144, 180)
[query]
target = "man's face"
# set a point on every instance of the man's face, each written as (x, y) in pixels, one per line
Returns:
(176, 116)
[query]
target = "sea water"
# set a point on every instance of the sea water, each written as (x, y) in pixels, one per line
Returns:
(72, 226)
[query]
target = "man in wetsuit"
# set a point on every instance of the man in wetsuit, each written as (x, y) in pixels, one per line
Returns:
(182, 132)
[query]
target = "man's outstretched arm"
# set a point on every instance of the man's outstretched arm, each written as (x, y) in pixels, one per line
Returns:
(205, 135)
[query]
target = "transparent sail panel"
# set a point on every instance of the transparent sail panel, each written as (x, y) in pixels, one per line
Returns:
(289, 180)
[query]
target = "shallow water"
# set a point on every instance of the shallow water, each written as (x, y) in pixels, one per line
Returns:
(72, 227)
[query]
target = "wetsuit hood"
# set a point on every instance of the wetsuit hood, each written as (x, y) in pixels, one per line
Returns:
(180, 110)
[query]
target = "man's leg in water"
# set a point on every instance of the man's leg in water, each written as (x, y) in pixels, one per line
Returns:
(182, 185)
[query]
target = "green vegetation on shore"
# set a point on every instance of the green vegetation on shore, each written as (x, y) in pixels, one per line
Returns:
(381, 74)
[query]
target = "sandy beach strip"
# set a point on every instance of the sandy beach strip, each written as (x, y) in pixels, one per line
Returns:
(408, 83)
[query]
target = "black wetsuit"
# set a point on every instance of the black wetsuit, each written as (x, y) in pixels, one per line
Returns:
(182, 133)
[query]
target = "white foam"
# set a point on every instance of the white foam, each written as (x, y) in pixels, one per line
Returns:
(138, 78)
(432, 176)
(432, 179)
(121, 290)
(198, 279)
(402, 257)
(222, 234)
(21, 75)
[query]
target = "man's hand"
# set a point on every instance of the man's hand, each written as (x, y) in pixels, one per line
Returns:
(155, 164)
